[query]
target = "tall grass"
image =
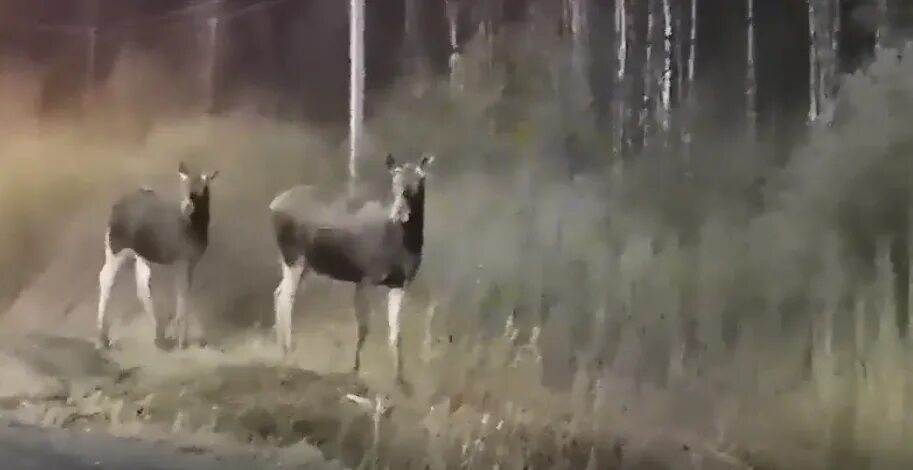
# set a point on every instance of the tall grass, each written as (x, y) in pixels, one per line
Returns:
(656, 313)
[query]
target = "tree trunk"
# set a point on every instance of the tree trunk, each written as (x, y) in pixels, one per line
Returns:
(900, 262)
(899, 23)
(666, 80)
(687, 134)
(649, 71)
(751, 94)
(580, 93)
(621, 92)
(579, 15)
(412, 27)
(453, 16)
(692, 56)
(824, 23)
(882, 28)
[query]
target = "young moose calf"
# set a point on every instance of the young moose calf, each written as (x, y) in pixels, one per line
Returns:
(369, 248)
(151, 230)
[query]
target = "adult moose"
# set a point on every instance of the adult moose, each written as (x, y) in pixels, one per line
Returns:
(151, 230)
(369, 248)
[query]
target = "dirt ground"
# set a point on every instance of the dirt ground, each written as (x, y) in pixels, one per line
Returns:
(26, 447)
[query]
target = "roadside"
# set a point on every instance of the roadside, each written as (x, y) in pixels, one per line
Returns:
(26, 447)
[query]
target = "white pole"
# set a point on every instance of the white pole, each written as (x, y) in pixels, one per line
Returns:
(90, 15)
(212, 44)
(90, 61)
(357, 88)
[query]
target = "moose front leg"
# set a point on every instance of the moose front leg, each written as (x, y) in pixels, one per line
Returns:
(394, 323)
(183, 281)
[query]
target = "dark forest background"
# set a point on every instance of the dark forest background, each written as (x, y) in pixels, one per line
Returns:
(296, 51)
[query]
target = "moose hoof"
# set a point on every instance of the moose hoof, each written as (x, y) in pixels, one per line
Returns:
(404, 386)
(164, 343)
(102, 343)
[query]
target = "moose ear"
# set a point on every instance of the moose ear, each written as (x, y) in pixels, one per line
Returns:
(426, 160)
(390, 162)
(182, 170)
(211, 176)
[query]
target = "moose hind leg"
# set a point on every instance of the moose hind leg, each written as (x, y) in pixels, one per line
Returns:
(362, 316)
(143, 273)
(285, 302)
(394, 323)
(106, 278)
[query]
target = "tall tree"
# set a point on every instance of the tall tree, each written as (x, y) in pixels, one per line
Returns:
(577, 89)
(751, 92)
(782, 71)
(721, 64)
(453, 22)
(648, 72)
(665, 104)
(620, 96)
(824, 24)
(414, 53)
(579, 13)
(813, 65)
(882, 24)
(688, 78)
(899, 23)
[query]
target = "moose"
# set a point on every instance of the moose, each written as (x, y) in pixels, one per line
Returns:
(370, 247)
(151, 230)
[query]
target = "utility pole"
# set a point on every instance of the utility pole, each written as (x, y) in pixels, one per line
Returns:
(90, 21)
(210, 59)
(356, 87)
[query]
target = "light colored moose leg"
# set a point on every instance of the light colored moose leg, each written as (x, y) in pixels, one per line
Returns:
(183, 280)
(144, 292)
(394, 323)
(106, 278)
(285, 302)
(362, 316)
(278, 287)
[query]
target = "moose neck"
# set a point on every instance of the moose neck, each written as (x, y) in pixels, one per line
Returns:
(414, 227)
(199, 218)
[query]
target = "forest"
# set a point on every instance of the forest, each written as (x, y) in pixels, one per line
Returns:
(767, 66)
(660, 233)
